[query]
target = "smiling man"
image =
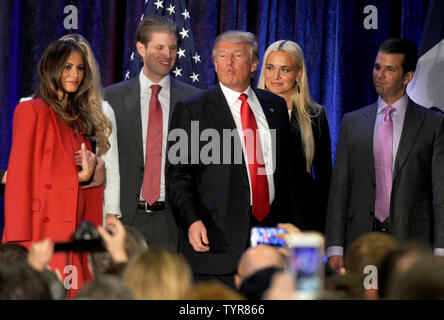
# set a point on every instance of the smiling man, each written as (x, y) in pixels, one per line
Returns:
(216, 204)
(389, 168)
(143, 106)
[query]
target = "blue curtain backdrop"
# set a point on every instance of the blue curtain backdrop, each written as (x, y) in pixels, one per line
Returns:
(339, 51)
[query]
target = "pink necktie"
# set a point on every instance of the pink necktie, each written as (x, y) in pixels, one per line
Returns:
(253, 147)
(153, 152)
(383, 157)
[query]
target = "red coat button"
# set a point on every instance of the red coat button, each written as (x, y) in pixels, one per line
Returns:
(47, 151)
(48, 186)
(45, 220)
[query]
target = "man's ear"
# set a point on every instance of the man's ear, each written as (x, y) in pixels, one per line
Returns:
(140, 48)
(408, 77)
(254, 65)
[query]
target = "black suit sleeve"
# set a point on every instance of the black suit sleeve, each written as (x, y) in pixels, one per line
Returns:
(322, 167)
(180, 172)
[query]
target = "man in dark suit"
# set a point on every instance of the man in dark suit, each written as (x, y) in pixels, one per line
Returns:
(389, 169)
(216, 197)
(143, 107)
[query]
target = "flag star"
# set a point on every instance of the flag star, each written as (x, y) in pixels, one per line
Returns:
(196, 58)
(184, 33)
(186, 14)
(132, 56)
(158, 4)
(194, 77)
(181, 52)
(171, 9)
(127, 75)
(141, 18)
(146, 1)
(177, 72)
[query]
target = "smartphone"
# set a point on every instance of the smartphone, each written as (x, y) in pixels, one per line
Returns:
(261, 235)
(306, 264)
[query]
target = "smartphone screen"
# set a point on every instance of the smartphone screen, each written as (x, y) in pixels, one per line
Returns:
(261, 235)
(307, 266)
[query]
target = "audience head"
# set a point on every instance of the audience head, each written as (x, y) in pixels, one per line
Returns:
(394, 68)
(212, 290)
(235, 57)
(12, 252)
(19, 281)
(343, 287)
(255, 259)
(284, 73)
(105, 288)
(157, 45)
(369, 249)
(158, 274)
(255, 285)
(423, 280)
(397, 262)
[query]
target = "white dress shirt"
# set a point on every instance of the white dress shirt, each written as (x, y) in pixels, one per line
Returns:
(164, 99)
(234, 103)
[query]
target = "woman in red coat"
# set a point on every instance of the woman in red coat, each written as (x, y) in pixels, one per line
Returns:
(47, 195)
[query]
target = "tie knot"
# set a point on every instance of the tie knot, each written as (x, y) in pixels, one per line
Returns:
(389, 109)
(243, 97)
(155, 88)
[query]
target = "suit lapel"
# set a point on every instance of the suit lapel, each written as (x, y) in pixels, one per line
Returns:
(176, 94)
(220, 109)
(132, 105)
(367, 124)
(413, 121)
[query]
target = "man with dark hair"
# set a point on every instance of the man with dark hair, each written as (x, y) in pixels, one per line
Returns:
(389, 168)
(143, 107)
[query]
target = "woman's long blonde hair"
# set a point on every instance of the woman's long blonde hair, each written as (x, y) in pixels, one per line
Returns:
(158, 274)
(303, 107)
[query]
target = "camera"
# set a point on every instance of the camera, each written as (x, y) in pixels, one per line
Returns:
(85, 239)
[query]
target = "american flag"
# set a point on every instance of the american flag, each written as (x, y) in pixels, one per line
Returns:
(188, 66)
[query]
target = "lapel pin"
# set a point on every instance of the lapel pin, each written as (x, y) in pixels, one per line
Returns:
(271, 109)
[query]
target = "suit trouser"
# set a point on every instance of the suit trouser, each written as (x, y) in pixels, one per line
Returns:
(158, 228)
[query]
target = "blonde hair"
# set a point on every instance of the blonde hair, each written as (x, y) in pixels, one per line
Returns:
(158, 274)
(303, 107)
(102, 125)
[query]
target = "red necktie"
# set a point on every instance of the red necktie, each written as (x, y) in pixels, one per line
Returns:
(256, 166)
(153, 152)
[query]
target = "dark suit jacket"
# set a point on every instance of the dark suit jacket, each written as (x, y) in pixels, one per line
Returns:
(309, 192)
(124, 98)
(417, 199)
(219, 194)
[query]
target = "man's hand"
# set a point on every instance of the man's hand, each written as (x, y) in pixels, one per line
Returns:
(87, 163)
(337, 263)
(40, 254)
(197, 236)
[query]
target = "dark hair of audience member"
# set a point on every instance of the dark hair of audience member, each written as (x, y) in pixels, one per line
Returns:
(12, 252)
(106, 287)
(424, 280)
(19, 281)
(398, 262)
(343, 287)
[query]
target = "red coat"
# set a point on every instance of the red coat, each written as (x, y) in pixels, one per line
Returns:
(42, 190)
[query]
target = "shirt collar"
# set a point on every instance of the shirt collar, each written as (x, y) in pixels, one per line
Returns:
(232, 96)
(145, 83)
(400, 105)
